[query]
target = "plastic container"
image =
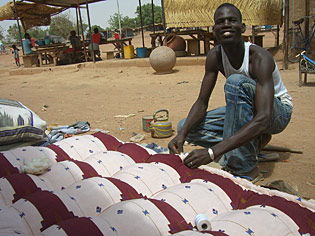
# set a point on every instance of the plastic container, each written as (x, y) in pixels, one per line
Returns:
(141, 52)
(129, 52)
(47, 41)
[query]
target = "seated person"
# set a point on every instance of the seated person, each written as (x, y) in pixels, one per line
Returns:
(96, 39)
(76, 45)
(27, 44)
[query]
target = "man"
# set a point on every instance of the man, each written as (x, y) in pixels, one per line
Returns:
(257, 103)
(27, 44)
(96, 39)
(76, 46)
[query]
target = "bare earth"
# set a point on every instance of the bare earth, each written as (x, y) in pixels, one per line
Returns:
(98, 94)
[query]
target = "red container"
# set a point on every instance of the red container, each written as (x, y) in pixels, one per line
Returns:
(146, 120)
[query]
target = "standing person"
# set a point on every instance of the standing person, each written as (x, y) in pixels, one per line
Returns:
(257, 102)
(27, 44)
(96, 39)
(16, 55)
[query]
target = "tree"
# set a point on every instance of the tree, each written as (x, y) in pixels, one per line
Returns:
(13, 33)
(147, 14)
(97, 26)
(126, 21)
(37, 32)
(61, 25)
(1, 33)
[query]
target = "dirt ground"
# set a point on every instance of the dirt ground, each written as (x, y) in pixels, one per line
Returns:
(99, 94)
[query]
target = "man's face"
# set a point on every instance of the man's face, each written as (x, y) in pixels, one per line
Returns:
(228, 27)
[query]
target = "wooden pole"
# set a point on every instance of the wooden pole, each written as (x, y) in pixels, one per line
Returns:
(163, 17)
(141, 23)
(89, 22)
(153, 16)
(77, 17)
(79, 11)
(307, 20)
(286, 35)
(19, 27)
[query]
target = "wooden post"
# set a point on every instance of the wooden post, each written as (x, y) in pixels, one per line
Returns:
(141, 21)
(278, 35)
(19, 27)
(163, 18)
(89, 22)
(307, 20)
(153, 16)
(79, 11)
(286, 35)
(253, 34)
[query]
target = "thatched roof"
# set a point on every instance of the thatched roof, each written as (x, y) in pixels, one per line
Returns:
(64, 3)
(198, 13)
(29, 13)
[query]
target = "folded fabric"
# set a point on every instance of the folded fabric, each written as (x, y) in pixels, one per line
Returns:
(157, 148)
(58, 133)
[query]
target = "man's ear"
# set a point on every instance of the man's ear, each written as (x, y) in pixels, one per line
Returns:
(243, 28)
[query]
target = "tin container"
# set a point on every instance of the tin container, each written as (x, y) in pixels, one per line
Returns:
(146, 120)
(161, 127)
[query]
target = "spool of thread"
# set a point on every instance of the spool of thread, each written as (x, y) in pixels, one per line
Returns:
(202, 222)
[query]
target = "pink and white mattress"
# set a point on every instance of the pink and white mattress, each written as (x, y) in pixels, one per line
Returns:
(98, 185)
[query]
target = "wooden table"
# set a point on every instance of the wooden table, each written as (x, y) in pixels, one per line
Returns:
(198, 35)
(53, 51)
(119, 43)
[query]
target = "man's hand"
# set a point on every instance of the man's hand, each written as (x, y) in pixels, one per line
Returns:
(197, 158)
(176, 145)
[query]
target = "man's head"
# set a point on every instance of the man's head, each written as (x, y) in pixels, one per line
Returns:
(228, 26)
(95, 30)
(27, 36)
(73, 33)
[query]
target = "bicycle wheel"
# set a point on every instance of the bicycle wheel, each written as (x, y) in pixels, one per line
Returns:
(296, 45)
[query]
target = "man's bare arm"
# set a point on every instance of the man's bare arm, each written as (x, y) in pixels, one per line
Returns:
(199, 108)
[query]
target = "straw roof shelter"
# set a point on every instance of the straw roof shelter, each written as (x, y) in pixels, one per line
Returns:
(199, 13)
(30, 14)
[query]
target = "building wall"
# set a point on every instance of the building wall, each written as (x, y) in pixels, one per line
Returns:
(298, 10)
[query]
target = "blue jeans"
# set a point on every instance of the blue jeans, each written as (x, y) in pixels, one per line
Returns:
(224, 121)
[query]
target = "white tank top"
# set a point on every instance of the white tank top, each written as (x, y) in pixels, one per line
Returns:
(280, 90)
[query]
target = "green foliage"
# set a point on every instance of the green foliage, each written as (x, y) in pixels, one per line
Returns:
(126, 21)
(1, 33)
(13, 34)
(37, 32)
(61, 25)
(147, 14)
(97, 26)
(84, 26)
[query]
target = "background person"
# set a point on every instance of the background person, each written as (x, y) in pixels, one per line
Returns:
(96, 39)
(16, 55)
(27, 44)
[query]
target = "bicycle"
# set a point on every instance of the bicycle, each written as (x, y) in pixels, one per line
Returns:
(306, 66)
(300, 42)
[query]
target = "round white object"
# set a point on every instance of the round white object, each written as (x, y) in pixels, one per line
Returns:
(163, 59)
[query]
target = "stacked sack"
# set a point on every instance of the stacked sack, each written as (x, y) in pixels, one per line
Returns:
(99, 185)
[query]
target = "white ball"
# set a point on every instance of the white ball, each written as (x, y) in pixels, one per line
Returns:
(163, 59)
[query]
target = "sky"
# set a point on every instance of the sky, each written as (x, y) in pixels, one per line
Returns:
(100, 12)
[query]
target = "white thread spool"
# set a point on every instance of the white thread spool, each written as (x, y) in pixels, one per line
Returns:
(202, 223)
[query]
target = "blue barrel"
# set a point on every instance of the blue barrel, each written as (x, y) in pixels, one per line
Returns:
(141, 52)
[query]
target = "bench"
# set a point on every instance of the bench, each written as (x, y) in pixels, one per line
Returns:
(110, 54)
(306, 66)
(30, 59)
